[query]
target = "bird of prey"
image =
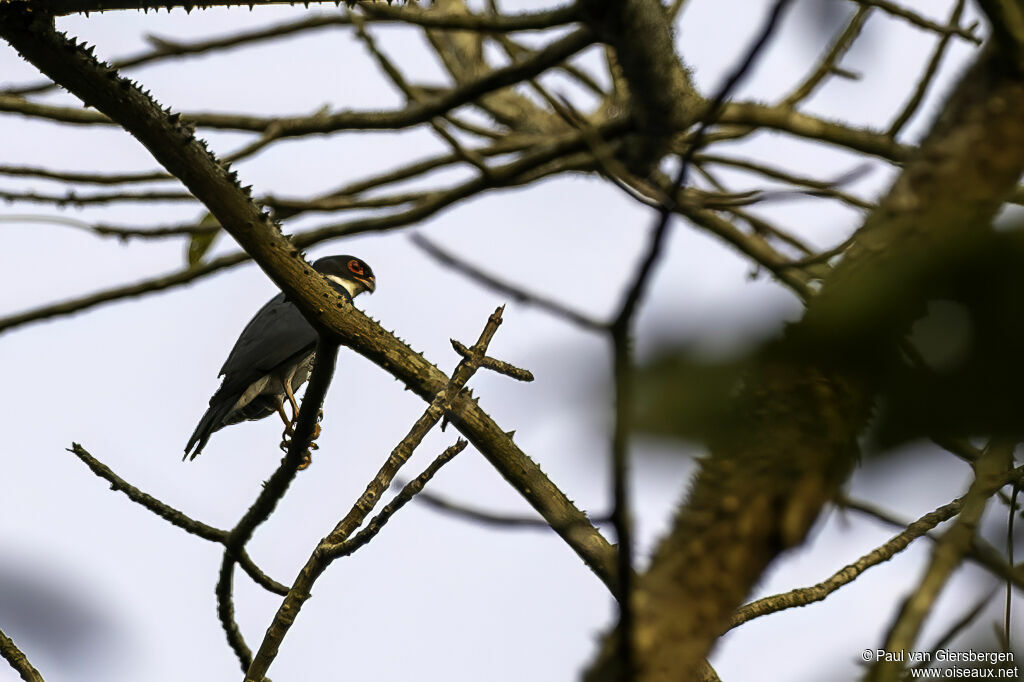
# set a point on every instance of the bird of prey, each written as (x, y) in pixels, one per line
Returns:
(273, 357)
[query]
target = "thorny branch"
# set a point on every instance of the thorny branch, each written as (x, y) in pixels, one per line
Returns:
(652, 84)
(174, 146)
(329, 548)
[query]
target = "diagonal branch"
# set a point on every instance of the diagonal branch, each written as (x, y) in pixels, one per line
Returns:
(989, 471)
(177, 518)
(829, 63)
(915, 19)
(815, 593)
(489, 518)
(409, 490)
(327, 550)
(555, 308)
(175, 147)
(809, 395)
(910, 108)
(13, 655)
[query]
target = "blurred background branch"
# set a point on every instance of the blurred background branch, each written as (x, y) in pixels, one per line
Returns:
(521, 98)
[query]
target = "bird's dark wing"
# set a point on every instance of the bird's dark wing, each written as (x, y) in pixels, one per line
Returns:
(275, 334)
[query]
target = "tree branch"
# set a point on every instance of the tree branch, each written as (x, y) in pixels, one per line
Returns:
(175, 147)
(915, 19)
(488, 518)
(801, 407)
(557, 309)
(13, 655)
(910, 108)
(990, 471)
(273, 490)
(177, 518)
(1007, 20)
(846, 575)
(662, 97)
(409, 490)
(327, 549)
(321, 123)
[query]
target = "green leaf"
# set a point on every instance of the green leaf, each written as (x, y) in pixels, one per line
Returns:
(202, 241)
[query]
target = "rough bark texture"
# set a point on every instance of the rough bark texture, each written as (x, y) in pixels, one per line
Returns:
(175, 146)
(661, 98)
(794, 437)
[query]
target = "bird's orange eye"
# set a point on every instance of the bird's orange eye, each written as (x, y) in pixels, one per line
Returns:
(355, 267)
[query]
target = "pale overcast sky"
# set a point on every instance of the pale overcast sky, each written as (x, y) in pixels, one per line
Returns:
(97, 589)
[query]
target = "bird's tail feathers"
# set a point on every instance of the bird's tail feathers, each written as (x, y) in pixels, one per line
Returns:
(211, 421)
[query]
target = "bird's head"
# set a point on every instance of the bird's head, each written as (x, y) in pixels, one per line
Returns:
(350, 272)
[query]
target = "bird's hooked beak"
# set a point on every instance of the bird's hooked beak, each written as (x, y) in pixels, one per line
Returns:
(369, 282)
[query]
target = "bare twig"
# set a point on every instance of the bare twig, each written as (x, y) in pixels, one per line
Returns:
(488, 518)
(320, 123)
(923, 83)
(84, 178)
(226, 612)
(822, 188)
(323, 554)
(176, 517)
(956, 627)
(411, 489)
(121, 232)
(154, 284)
(164, 511)
(1008, 603)
(495, 365)
(487, 23)
(815, 593)
(915, 19)
(76, 199)
(829, 63)
(861, 140)
(990, 471)
(13, 655)
(980, 552)
(557, 309)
